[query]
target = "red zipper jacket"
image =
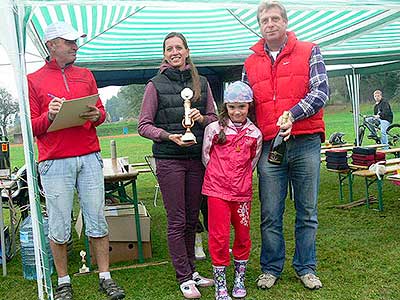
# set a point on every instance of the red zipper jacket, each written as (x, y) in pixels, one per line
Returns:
(229, 167)
(70, 82)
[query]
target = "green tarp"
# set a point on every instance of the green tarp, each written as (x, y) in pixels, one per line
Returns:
(129, 34)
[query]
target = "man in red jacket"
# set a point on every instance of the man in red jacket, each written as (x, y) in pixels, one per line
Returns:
(288, 75)
(70, 158)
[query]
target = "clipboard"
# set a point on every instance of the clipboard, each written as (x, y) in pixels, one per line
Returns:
(68, 116)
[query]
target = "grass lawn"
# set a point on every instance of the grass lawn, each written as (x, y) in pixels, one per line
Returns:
(358, 250)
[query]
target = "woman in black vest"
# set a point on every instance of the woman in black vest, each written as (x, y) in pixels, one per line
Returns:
(178, 164)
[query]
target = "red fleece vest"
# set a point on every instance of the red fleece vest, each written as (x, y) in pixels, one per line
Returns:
(280, 86)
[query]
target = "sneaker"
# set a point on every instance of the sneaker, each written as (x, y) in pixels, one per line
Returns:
(63, 292)
(109, 287)
(189, 290)
(202, 281)
(310, 281)
(266, 281)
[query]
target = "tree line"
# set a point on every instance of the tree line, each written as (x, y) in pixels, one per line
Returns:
(388, 83)
(127, 103)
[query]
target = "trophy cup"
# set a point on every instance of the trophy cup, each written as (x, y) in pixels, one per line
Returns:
(187, 122)
(84, 268)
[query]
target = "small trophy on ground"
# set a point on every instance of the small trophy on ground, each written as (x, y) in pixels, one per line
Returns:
(187, 122)
(84, 268)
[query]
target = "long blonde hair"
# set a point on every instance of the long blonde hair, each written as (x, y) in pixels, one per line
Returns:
(193, 69)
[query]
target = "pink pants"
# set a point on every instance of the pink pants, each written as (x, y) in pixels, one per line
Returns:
(221, 214)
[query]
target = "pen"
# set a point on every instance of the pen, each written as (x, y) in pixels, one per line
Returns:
(51, 95)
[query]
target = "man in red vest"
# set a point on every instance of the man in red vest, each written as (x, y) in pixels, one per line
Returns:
(288, 75)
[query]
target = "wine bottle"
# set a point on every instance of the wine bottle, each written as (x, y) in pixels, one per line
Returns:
(278, 145)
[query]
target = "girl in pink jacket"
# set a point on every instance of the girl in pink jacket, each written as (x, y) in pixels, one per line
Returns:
(231, 149)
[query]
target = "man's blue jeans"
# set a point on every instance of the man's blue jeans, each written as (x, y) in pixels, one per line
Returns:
(384, 138)
(60, 178)
(301, 166)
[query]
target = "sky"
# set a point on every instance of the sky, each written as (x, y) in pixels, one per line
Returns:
(34, 62)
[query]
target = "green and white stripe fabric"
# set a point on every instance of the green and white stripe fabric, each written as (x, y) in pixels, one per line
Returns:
(129, 34)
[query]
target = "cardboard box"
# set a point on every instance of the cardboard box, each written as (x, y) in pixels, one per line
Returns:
(122, 224)
(122, 232)
(124, 251)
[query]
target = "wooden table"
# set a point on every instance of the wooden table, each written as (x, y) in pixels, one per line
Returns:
(334, 147)
(117, 177)
(344, 175)
(395, 178)
(351, 146)
(395, 151)
(370, 177)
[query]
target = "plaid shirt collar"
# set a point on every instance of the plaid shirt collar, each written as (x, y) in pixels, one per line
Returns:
(268, 51)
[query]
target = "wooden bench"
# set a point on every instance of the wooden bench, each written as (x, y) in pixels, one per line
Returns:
(371, 177)
(395, 178)
(395, 151)
(332, 147)
(348, 175)
(342, 176)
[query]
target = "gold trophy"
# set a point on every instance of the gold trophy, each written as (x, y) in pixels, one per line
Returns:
(84, 268)
(187, 122)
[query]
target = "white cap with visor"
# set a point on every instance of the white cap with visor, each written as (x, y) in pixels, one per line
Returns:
(62, 30)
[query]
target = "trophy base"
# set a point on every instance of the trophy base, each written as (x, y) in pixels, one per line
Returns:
(84, 269)
(188, 137)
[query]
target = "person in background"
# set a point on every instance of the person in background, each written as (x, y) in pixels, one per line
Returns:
(288, 75)
(67, 163)
(231, 149)
(200, 228)
(180, 171)
(383, 113)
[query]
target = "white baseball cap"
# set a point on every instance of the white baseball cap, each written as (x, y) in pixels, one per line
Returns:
(62, 30)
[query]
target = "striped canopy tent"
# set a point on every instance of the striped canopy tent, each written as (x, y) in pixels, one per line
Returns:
(126, 36)
(124, 45)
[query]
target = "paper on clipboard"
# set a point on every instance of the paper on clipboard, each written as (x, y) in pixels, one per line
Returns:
(68, 116)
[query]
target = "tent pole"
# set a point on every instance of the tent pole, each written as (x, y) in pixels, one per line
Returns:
(353, 87)
(16, 17)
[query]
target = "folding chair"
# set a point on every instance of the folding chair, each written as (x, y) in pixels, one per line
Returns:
(151, 161)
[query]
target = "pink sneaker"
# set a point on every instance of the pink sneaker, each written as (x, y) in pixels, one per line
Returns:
(189, 290)
(202, 281)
